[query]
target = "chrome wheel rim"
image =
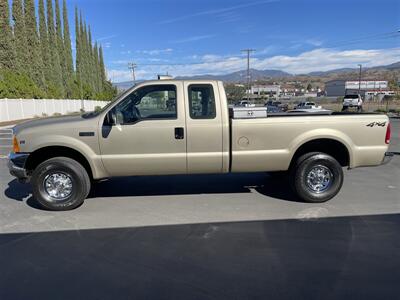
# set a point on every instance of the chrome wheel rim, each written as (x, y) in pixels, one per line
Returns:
(58, 186)
(319, 179)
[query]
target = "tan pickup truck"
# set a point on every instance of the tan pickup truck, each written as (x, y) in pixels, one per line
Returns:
(185, 127)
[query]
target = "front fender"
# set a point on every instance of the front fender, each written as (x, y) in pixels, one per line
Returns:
(93, 159)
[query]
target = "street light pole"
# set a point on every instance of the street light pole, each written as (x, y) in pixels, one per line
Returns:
(248, 51)
(359, 80)
(132, 66)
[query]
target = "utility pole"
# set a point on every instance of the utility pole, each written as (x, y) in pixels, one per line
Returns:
(359, 80)
(132, 66)
(248, 51)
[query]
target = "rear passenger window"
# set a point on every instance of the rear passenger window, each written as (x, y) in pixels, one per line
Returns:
(201, 101)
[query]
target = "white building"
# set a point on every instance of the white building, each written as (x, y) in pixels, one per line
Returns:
(337, 88)
(273, 90)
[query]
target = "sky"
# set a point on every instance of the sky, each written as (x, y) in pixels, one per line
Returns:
(188, 37)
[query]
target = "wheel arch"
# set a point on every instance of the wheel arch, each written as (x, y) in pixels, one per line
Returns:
(333, 147)
(42, 154)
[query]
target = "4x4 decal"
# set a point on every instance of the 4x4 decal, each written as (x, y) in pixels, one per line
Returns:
(380, 124)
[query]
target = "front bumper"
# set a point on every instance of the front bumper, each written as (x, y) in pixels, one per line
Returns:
(16, 166)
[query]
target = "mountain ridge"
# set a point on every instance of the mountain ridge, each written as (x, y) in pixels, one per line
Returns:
(241, 76)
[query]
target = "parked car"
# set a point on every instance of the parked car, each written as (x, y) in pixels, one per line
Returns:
(278, 104)
(137, 134)
(350, 101)
(273, 109)
(307, 105)
(245, 103)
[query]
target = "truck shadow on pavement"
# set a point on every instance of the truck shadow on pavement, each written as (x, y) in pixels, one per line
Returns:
(353, 257)
(274, 186)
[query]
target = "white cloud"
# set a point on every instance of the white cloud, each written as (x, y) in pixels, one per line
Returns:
(116, 75)
(103, 38)
(315, 60)
(328, 59)
(217, 11)
(194, 38)
(314, 42)
(155, 51)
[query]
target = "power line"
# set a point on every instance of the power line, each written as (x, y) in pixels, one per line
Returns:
(248, 51)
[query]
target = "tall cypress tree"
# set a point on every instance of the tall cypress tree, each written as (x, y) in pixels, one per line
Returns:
(45, 47)
(78, 59)
(55, 58)
(83, 51)
(69, 67)
(96, 64)
(7, 53)
(102, 67)
(60, 45)
(91, 65)
(21, 50)
(32, 41)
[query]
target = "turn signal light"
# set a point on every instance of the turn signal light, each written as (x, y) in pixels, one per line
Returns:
(16, 147)
(388, 134)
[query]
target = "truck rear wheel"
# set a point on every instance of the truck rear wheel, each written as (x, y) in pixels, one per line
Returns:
(60, 183)
(317, 177)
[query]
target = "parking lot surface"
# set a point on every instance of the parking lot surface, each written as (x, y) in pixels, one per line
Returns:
(206, 237)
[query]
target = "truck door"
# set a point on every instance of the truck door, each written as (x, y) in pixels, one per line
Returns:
(149, 137)
(204, 128)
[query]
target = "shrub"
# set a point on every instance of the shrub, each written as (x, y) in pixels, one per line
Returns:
(14, 86)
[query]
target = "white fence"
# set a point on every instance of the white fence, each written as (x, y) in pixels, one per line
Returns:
(17, 109)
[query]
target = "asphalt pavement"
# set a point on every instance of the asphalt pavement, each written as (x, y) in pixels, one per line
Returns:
(237, 236)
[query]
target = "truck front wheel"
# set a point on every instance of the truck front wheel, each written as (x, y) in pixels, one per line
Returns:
(60, 183)
(317, 177)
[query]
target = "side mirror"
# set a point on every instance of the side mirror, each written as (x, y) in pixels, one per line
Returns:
(110, 119)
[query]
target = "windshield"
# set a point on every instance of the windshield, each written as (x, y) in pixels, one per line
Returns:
(351, 96)
(92, 114)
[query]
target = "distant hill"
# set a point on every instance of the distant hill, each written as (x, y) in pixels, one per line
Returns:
(391, 67)
(240, 76)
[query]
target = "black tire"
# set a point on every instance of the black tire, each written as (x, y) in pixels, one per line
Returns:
(304, 166)
(75, 174)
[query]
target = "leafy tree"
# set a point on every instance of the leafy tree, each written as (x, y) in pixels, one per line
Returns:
(60, 45)
(32, 42)
(56, 71)
(69, 66)
(234, 92)
(15, 85)
(97, 71)
(36, 57)
(102, 66)
(21, 49)
(309, 87)
(78, 62)
(7, 52)
(45, 47)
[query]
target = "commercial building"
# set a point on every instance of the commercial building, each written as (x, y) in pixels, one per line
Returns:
(338, 88)
(272, 90)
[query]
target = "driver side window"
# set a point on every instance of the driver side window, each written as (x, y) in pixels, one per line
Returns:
(147, 103)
